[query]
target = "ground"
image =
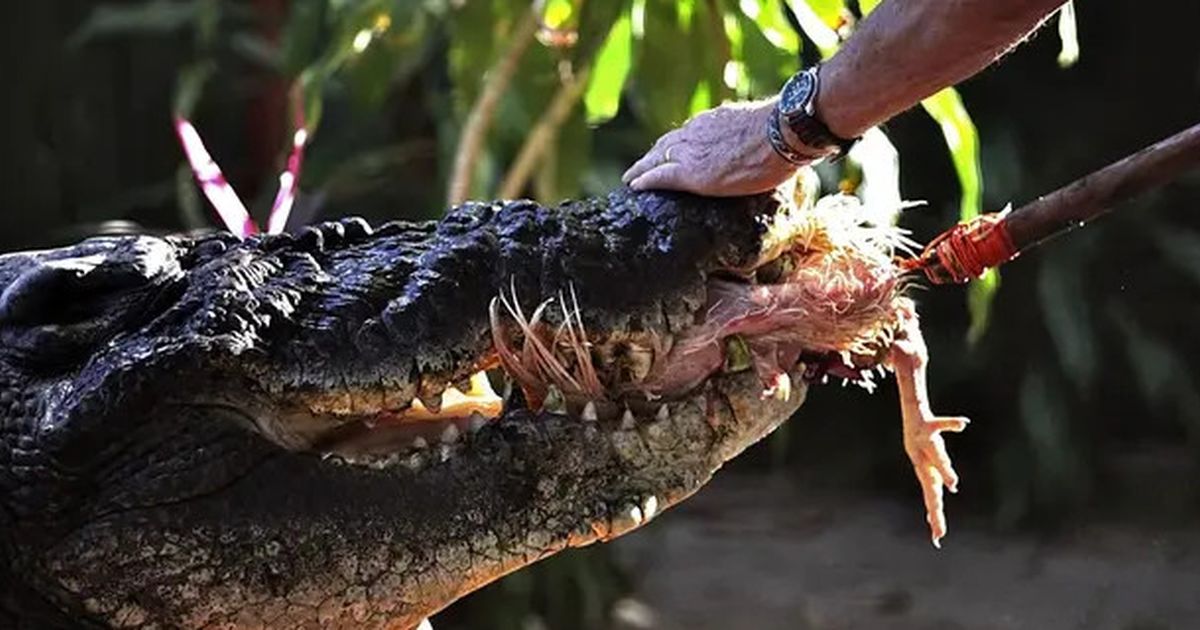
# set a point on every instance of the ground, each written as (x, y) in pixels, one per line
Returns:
(775, 558)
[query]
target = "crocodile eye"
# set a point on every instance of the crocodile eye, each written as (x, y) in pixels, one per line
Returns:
(58, 304)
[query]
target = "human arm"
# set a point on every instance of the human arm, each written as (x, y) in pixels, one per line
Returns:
(903, 52)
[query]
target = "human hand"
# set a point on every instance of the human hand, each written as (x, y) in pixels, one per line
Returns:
(723, 152)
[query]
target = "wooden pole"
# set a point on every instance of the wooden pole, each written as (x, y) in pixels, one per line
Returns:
(1093, 196)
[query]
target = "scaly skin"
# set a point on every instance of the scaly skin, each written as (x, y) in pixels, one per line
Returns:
(164, 405)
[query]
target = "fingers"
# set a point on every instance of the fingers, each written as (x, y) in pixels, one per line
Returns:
(668, 176)
(656, 156)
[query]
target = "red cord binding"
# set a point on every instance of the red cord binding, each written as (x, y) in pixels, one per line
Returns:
(966, 250)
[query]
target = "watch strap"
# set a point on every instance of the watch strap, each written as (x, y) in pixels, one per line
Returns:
(803, 122)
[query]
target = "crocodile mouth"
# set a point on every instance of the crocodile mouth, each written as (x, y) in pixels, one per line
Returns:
(822, 299)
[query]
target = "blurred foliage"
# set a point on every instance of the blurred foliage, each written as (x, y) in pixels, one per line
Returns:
(1082, 360)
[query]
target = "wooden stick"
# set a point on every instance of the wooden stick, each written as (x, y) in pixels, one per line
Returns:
(968, 249)
(1093, 196)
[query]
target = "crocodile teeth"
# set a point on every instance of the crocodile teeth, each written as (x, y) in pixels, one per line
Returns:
(626, 519)
(476, 422)
(432, 402)
(555, 401)
(451, 434)
(663, 413)
(420, 443)
(649, 507)
(627, 421)
(589, 412)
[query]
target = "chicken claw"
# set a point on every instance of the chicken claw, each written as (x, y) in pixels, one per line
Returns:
(923, 441)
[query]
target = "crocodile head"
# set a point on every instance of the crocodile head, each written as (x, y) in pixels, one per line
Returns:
(201, 432)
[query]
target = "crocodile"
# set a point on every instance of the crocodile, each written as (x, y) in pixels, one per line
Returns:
(355, 426)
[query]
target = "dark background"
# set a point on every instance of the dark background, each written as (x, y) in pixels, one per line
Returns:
(1082, 393)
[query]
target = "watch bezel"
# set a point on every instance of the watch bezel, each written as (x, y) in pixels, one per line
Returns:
(798, 95)
(797, 106)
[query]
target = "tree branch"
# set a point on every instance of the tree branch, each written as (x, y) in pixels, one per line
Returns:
(544, 134)
(470, 145)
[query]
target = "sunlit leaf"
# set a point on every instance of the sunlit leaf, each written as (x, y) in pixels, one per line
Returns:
(947, 109)
(701, 99)
(769, 16)
(880, 188)
(867, 6)
(558, 13)
(762, 66)
(1069, 36)
(830, 11)
(814, 25)
(603, 97)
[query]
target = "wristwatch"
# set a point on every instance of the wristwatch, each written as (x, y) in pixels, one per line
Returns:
(796, 109)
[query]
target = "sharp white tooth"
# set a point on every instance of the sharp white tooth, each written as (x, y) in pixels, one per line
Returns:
(589, 412)
(555, 401)
(650, 507)
(628, 423)
(420, 443)
(431, 402)
(477, 422)
(825, 379)
(450, 434)
(882, 372)
(845, 382)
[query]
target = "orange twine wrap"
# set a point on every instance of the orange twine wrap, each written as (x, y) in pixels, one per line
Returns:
(966, 250)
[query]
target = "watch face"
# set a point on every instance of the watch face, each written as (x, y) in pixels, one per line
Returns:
(797, 94)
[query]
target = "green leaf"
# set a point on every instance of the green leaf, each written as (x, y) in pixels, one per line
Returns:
(980, 294)
(766, 67)
(1065, 309)
(818, 20)
(667, 68)
(771, 21)
(701, 99)
(947, 109)
(867, 6)
(831, 11)
(603, 97)
(1068, 34)
(155, 17)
